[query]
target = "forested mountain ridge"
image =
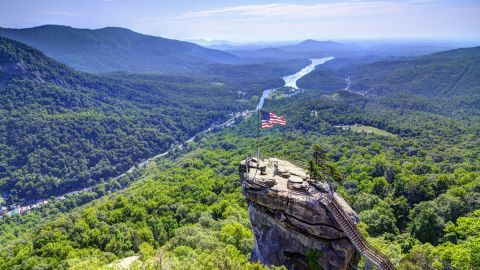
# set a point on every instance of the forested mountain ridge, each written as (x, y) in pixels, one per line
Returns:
(417, 194)
(450, 73)
(307, 49)
(354, 51)
(19, 60)
(116, 49)
(416, 191)
(62, 129)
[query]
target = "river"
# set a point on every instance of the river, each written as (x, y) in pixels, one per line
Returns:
(290, 81)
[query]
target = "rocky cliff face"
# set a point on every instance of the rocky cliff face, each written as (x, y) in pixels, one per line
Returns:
(290, 224)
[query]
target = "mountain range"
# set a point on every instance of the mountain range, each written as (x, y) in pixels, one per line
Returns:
(400, 136)
(362, 51)
(116, 49)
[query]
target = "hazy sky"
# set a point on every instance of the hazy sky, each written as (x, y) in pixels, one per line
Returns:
(238, 20)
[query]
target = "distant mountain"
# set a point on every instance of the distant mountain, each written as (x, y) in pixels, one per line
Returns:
(116, 49)
(229, 46)
(311, 45)
(225, 45)
(222, 46)
(266, 54)
(208, 43)
(304, 50)
(358, 51)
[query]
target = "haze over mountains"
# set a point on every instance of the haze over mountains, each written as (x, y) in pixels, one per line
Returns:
(116, 49)
(361, 51)
(119, 49)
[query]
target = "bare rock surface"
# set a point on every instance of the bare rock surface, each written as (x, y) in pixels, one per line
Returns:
(289, 220)
(124, 263)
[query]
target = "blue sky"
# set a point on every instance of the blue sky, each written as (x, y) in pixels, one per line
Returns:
(237, 20)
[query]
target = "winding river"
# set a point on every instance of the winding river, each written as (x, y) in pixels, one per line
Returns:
(290, 81)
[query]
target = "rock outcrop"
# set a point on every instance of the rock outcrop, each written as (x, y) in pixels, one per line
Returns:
(291, 224)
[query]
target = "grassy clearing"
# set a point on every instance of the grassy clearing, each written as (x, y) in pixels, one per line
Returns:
(366, 129)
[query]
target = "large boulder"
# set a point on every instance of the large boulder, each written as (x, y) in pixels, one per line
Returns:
(291, 225)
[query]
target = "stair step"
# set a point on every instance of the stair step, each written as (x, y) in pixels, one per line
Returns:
(354, 235)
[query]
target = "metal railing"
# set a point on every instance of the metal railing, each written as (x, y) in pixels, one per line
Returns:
(357, 239)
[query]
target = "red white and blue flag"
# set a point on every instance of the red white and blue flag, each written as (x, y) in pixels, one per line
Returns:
(270, 119)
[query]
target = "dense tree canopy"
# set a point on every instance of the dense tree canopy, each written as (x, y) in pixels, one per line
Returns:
(62, 130)
(415, 184)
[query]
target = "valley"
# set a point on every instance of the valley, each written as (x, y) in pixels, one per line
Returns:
(81, 109)
(122, 149)
(12, 210)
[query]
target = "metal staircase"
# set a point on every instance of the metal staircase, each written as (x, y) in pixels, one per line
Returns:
(351, 231)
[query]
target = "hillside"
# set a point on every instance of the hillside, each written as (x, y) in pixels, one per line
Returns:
(116, 49)
(239, 135)
(61, 129)
(417, 194)
(416, 191)
(452, 77)
(452, 72)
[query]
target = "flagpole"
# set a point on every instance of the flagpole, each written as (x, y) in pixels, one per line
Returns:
(258, 136)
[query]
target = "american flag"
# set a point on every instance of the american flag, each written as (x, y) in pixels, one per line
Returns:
(270, 119)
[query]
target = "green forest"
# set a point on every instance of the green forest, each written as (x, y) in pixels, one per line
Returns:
(61, 129)
(414, 182)
(451, 78)
(417, 194)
